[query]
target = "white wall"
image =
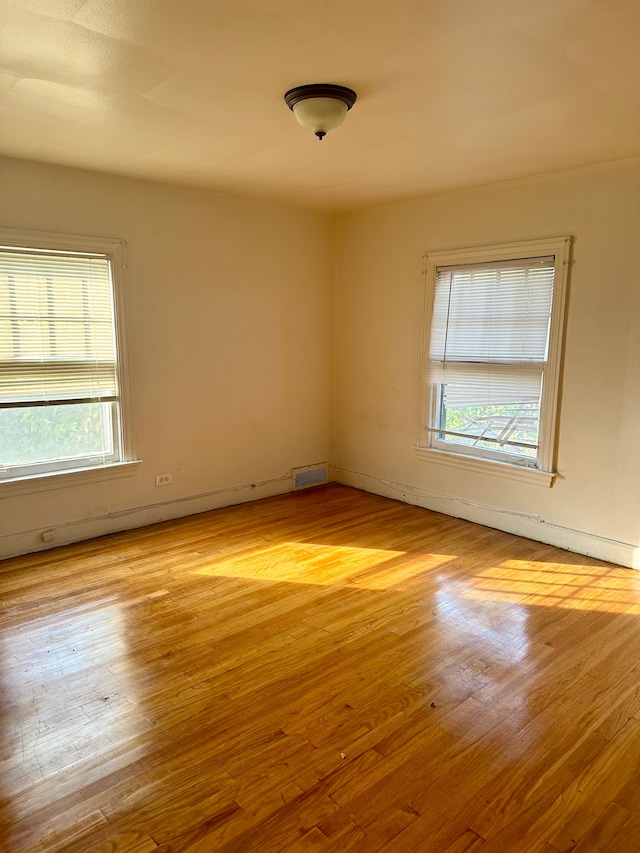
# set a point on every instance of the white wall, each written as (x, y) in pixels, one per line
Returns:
(230, 327)
(594, 505)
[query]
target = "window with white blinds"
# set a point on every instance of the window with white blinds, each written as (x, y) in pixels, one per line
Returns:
(57, 340)
(490, 331)
(60, 354)
(493, 351)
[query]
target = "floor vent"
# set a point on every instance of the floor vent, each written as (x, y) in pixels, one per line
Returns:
(312, 475)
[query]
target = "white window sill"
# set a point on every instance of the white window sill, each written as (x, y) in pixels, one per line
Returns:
(62, 479)
(486, 466)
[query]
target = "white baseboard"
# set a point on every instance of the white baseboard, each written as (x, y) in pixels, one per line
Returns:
(520, 524)
(77, 531)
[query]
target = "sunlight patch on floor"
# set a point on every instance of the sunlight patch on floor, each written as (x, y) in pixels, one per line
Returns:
(298, 562)
(569, 586)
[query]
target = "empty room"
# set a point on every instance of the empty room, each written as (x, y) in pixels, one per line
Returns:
(319, 423)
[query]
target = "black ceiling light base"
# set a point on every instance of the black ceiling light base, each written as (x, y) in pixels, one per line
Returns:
(320, 90)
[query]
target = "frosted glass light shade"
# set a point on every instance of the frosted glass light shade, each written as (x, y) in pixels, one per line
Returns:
(320, 114)
(320, 106)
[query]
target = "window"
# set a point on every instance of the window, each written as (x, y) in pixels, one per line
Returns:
(492, 357)
(62, 405)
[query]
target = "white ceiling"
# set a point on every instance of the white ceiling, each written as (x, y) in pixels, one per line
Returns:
(451, 93)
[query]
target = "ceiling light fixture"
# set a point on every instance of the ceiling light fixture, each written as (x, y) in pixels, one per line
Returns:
(320, 106)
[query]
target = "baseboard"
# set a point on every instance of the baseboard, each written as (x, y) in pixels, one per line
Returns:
(77, 531)
(520, 524)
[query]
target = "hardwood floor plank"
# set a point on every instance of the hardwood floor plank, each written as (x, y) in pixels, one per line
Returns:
(607, 828)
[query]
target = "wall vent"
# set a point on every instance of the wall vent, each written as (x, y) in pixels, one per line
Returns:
(311, 475)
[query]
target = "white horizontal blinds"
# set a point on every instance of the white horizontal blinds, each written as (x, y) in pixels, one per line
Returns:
(490, 330)
(57, 340)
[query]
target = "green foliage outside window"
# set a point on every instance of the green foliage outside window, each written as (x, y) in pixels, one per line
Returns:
(53, 432)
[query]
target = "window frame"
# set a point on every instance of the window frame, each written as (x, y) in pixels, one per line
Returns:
(35, 476)
(428, 447)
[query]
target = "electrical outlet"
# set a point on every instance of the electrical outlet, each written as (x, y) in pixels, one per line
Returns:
(49, 536)
(164, 479)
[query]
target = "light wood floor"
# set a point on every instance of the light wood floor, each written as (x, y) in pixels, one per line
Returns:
(326, 671)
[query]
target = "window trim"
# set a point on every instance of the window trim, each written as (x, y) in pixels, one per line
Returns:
(426, 450)
(25, 485)
(115, 250)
